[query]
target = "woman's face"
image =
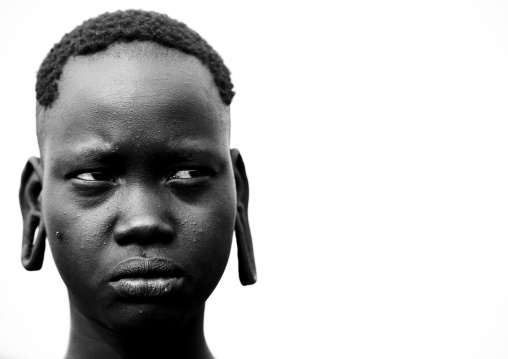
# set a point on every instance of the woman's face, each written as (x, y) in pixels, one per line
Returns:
(138, 193)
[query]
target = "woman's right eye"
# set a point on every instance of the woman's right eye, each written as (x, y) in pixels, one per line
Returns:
(94, 176)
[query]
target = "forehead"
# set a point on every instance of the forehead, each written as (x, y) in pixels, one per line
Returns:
(135, 86)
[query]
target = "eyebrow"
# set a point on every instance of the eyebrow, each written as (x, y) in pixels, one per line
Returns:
(186, 152)
(108, 153)
(94, 153)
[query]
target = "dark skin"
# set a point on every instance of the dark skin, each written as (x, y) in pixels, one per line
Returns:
(139, 195)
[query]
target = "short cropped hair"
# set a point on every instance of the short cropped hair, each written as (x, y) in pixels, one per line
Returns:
(104, 30)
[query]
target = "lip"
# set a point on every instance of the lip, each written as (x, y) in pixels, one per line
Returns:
(147, 278)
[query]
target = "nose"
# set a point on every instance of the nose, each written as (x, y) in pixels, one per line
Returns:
(142, 220)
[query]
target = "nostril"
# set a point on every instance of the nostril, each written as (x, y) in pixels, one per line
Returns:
(143, 230)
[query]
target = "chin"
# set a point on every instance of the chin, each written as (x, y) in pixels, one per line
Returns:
(146, 318)
(134, 314)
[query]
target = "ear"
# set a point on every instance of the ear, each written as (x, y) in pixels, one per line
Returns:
(32, 254)
(246, 263)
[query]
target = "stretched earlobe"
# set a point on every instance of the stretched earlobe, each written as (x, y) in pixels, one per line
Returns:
(246, 262)
(32, 254)
(32, 251)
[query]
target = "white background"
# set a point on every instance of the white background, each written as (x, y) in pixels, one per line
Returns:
(375, 135)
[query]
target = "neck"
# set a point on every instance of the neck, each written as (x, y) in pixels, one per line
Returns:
(90, 339)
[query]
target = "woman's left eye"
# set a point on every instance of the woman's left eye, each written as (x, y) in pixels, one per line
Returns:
(186, 174)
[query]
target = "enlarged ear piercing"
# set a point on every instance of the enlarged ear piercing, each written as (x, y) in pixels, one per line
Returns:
(246, 263)
(32, 252)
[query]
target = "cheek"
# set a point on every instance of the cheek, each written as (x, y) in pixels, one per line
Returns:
(206, 236)
(75, 237)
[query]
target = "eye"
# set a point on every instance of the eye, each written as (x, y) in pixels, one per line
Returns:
(187, 174)
(94, 176)
(190, 177)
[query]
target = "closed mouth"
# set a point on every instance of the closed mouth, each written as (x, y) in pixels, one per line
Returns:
(139, 278)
